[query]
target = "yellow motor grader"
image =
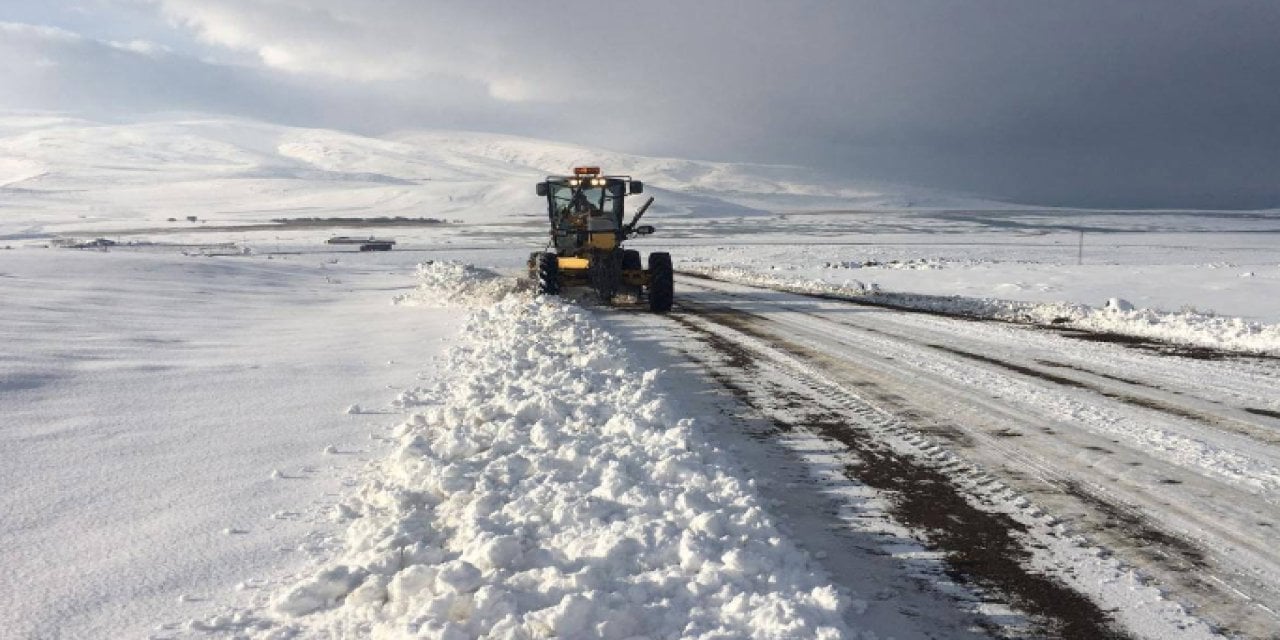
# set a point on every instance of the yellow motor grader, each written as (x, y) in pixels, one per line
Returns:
(586, 211)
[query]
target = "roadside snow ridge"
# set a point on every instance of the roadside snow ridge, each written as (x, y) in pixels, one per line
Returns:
(546, 489)
(1116, 315)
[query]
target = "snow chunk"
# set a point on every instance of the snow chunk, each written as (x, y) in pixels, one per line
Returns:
(1118, 304)
(324, 589)
(454, 284)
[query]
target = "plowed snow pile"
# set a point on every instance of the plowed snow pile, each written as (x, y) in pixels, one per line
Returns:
(545, 489)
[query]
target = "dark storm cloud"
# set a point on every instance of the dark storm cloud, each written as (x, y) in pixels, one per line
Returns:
(1080, 103)
(1134, 103)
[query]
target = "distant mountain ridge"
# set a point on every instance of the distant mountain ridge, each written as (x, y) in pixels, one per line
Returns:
(56, 170)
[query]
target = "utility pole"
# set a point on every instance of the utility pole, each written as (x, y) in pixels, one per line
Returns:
(1080, 249)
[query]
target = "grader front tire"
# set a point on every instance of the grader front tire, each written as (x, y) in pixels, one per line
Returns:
(548, 274)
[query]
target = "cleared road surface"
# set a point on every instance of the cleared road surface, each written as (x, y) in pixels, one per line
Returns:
(1035, 468)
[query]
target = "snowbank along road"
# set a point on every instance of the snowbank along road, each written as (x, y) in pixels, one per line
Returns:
(1060, 483)
(545, 488)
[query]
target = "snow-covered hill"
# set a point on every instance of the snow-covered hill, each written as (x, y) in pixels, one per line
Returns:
(59, 173)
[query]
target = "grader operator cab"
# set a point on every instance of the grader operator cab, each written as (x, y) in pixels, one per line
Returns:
(587, 215)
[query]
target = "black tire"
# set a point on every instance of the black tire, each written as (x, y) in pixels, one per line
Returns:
(548, 274)
(606, 274)
(661, 282)
(631, 260)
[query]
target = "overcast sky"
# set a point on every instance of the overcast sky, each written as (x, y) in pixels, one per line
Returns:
(1109, 103)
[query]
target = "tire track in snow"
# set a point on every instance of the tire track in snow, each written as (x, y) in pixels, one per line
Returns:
(1257, 470)
(983, 548)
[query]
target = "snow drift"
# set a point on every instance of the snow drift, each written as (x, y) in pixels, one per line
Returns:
(545, 488)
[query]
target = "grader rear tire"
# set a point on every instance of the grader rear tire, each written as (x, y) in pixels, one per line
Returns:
(661, 282)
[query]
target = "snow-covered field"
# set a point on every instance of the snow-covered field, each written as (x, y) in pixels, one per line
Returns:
(216, 427)
(173, 427)
(1205, 278)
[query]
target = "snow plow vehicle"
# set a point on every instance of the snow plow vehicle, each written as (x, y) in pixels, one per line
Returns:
(587, 212)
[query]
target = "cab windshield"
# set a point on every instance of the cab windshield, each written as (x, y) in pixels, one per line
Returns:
(607, 199)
